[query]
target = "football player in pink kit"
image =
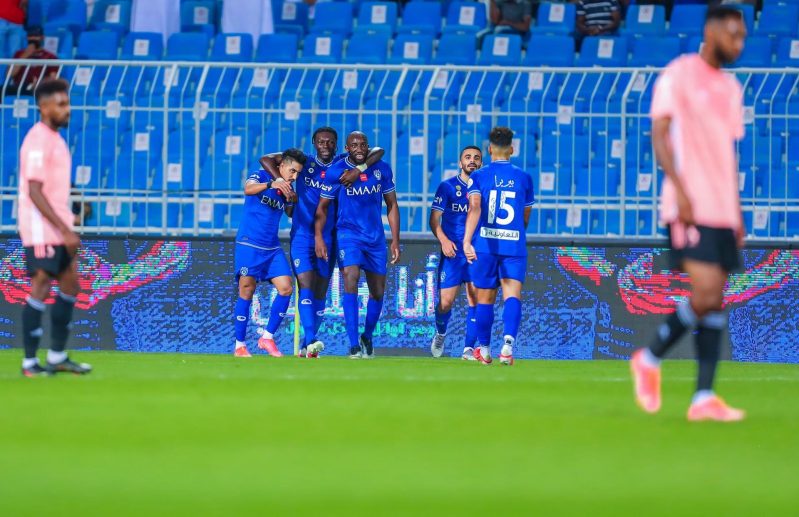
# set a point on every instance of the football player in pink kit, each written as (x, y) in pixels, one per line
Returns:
(697, 115)
(45, 227)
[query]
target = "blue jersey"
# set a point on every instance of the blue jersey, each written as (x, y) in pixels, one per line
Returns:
(360, 207)
(260, 221)
(452, 201)
(308, 187)
(505, 191)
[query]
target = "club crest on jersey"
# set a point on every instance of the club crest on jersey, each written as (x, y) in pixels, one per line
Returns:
(377, 174)
(243, 271)
(310, 170)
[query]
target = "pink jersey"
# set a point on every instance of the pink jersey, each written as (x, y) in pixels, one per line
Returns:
(45, 158)
(706, 110)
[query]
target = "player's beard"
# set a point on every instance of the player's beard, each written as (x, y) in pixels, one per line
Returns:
(725, 58)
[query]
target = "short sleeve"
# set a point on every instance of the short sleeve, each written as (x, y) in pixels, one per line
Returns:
(255, 178)
(664, 98)
(474, 185)
(440, 199)
(529, 194)
(36, 157)
(331, 185)
(387, 180)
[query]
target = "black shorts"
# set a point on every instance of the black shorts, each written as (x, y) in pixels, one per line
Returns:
(56, 260)
(704, 244)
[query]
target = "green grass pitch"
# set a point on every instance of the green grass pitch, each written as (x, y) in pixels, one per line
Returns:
(211, 435)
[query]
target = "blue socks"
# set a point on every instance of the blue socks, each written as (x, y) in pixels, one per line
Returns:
(319, 313)
(241, 316)
(373, 310)
(307, 315)
(512, 316)
(484, 315)
(471, 327)
(442, 320)
(279, 308)
(350, 303)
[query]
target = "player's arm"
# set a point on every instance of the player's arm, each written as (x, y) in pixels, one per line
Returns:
(320, 220)
(375, 155)
(71, 239)
(448, 248)
(664, 153)
(392, 212)
(289, 209)
(472, 218)
(253, 186)
(271, 162)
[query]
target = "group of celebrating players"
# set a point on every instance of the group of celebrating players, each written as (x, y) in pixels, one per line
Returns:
(335, 202)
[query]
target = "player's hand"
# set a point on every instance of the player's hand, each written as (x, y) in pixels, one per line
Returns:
(321, 249)
(395, 252)
(448, 248)
(685, 212)
(468, 250)
(284, 187)
(349, 177)
(740, 233)
(71, 242)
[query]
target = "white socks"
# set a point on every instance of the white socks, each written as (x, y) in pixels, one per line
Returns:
(240, 344)
(30, 363)
(56, 357)
(650, 359)
(701, 396)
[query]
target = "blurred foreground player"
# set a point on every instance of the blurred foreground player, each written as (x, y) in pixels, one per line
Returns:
(45, 227)
(259, 256)
(697, 115)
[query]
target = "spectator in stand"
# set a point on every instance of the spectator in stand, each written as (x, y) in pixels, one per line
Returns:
(24, 78)
(597, 18)
(512, 16)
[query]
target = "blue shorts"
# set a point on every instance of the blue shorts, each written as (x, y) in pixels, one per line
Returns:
(260, 264)
(488, 269)
(452, 272)
(304, 259)
(370, 257)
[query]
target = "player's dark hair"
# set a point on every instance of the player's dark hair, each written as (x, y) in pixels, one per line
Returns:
(721, 13)
(324, 129)
(501, 136)
(471, 147)
(50, 87)
(294, 154)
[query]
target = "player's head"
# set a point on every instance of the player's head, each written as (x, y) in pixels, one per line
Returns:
(52, 96)
(358, 147)
(500, 143)
(292, 162)
(725, 33)
(471, 159)
(325, 141)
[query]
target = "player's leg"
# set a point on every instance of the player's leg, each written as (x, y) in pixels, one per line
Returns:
(32, 317)
(471, 323)
(302, 262)
(374, 306)
(446, 299)
(324, 271)
(512, 272)
(278, 272)
(351, 274)
(241, 314)
(484, 273)
(61, 317)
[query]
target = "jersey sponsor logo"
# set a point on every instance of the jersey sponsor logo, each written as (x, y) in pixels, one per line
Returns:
(241, 318)
(438, 200)
(499, 233)
(364, 190)
(310, 182)
(459, 208)
(306, 301)
(273, 203)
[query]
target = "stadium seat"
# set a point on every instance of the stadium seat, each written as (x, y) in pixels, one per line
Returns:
(756, 53)
(456, 49)
(560, 51)
(60, 42)
(143, 46)
(687, 20)
(115, 214)
(291, 17)
(367, 47)
(111, 15)
(378, 16)
(555, 18)
(412, 49)
(333, 18)
(198, 16)
(645, 20)
(277, 48)
(69, 16)
(778, 20)
(603, 51)
(501, 50)
(787, 53)
(98, 45)
(655, 51)
(319, 48)
(421, 17)
(188, 46)
(466, 17)
(231, 47)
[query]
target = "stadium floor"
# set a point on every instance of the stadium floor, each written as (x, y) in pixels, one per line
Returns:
(187, 434)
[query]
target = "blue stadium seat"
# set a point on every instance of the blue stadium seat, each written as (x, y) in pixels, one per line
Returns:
(645, 20)
(368, 47)
(111, 15)
(413, 49)
(466, 17)
(555, 18)
(639, 221)
(456, 49)
(421, 18)
(787, 53)
(140, 153)
(560, 51)
(778, 19)
(756, 53)
(322, 48)
(687, 20)
(277, 48)
(502, 50)
(333, 18)
(69, 16)
(188, 46)
(60, 42)
(143, 46)
(291, 17)
(114, 213)
(232, 47)
(655, 51)
(98, 45)
(198, 16)
(603, 51)
(378, 16)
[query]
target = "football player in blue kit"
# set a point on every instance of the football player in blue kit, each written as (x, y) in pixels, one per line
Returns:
(258, 255)
(448, 223)
(360, 236)
(495, 244)
(312, 273)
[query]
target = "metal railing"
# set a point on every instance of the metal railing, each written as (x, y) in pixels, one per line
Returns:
(163, 147)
